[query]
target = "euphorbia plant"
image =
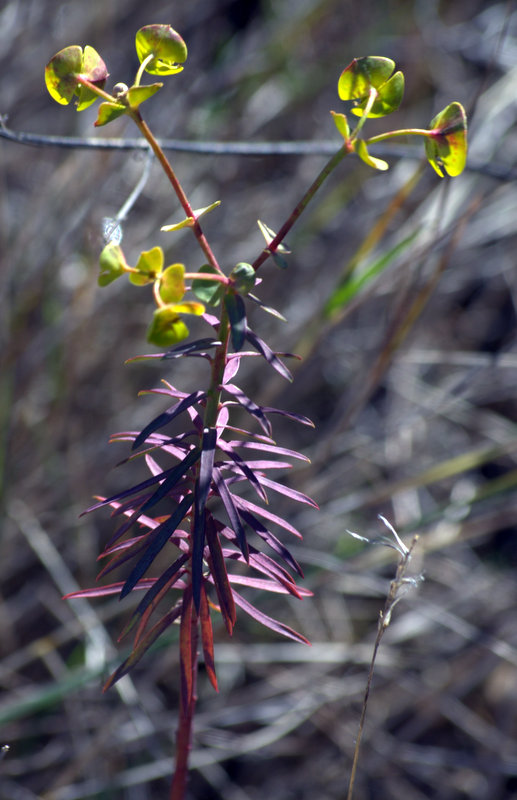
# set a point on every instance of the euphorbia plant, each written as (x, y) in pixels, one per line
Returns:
(191, 508)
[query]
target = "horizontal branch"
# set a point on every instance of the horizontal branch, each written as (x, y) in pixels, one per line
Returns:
(297, 148)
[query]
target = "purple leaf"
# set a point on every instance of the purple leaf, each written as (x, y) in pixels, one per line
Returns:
(203, 483)
(268, 622)
(263, 512)
(228, 502)
(220, 576)
(144, 645)
(160, 537)
(167, 416)
(251, 407)
(268, 354)
(191, 348)
(290, 415)
(268, 448)
(287, 491)
(245, 468)
(270, 539)
(174, 475)
(168, 577)
(231, 369)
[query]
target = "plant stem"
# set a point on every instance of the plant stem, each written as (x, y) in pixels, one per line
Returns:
(178, 189)
(402, 132)
(188, 697)
(300, 207)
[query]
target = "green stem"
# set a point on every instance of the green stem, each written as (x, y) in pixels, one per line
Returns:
(300, 207)
(403, 132)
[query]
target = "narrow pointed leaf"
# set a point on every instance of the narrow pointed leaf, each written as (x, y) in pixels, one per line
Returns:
(144, 645)
(268, 622)
(271, 540)
(233, 515)
(207, 638)
(203, 484)
(268, 354)
(175, 474)
(163, 419)
(165, 580)
(245, 468)
(251, 407)
(236, 311)
(191, 348)
(186, 650)
(160, 537)
(220, 576)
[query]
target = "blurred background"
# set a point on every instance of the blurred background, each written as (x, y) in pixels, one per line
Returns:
(409, 374)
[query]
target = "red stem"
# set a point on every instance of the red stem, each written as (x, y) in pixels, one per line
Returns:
(189, 658)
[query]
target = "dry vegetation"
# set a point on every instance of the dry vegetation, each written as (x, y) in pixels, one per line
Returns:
(414, 404)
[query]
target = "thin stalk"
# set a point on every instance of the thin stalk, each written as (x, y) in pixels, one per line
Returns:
(402, 132)
(178, 189)
(300, 207)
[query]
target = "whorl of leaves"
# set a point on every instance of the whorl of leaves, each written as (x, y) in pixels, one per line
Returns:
(191, 515)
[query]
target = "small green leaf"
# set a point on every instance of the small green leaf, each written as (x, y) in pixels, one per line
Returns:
(172, 285)
(236, 309)
(109, 112)
(243, 277)
(362, 74)
(209, 292)
(269, 235)
(188, 222)
(112, 264)
(446, 147)
(341, 123)
(166, 327)
(165, 45)
(389, 97)
(63, 72)
(138, 94)
(149, 266)
(372, 72)
(364, 155)
(190, 307)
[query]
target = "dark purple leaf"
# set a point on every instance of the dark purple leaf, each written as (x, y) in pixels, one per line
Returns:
(186, 654)
(245, 468)
(144, 645)
(236, 311)
(162, 581)
(160, 537)
(268, 622)
(268, 354)
(251, 407)
(191, 347)
(174, 475)
(228, 502)
(167, 416)
(207, 638)
(203, 483)
(263, 512)
(105, 591)
(220, 576)
(270, 539)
